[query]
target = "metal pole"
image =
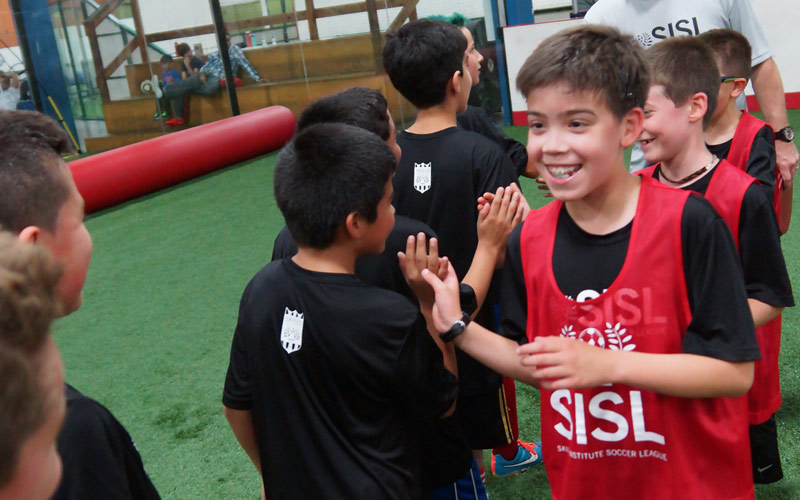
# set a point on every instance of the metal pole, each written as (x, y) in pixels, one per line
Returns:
(219, 26)
(72, 59)
(33, 83)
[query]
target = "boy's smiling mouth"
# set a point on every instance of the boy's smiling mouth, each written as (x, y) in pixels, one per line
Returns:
(562, 172)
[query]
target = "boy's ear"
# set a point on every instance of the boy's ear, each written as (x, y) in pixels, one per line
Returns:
(631, 124)
(698, 106)
(455, 82)
(738, 87)
(29, 234)
(354, 225)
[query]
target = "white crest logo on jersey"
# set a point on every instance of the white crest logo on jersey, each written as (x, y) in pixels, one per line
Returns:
(613, 337)
(422, 176)
(292, 331)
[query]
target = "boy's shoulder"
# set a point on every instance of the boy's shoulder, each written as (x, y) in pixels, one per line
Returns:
(452, 145)
(283, 280)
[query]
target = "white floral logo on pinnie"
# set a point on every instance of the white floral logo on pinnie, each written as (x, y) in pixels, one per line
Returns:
(292, 331)
(615, 337)
(422, 176)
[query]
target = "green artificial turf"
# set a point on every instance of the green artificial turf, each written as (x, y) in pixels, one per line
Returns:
(152, 339)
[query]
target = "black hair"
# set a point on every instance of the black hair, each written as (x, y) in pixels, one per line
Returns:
(166, 59)
(33, 186)
(183, 48)
(421, 58)
(357, 106)
(327, 172)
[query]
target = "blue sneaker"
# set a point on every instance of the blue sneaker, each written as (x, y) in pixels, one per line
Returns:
(528, 455)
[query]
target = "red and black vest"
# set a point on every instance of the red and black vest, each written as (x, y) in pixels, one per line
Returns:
(618, 441)
(725, 193)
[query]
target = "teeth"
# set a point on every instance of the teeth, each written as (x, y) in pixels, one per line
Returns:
(563, 172)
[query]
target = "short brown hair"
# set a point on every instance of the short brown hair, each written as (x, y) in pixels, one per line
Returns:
(22, 407)
(684, 66)
(33, 188)
(28, 301)
(590, 58)
(732, 49)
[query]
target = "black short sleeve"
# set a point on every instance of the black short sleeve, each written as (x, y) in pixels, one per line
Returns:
(721, 326)
(761, 163)
(513, 295)
(765, 275)
(238, 393)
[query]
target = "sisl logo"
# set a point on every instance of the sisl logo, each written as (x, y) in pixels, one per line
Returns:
(608, 417)
(686, 27)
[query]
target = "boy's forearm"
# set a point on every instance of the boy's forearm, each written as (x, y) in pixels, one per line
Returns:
(447, 348)
(494, 351)
(763, 313)
(681, 375)
(241, 422)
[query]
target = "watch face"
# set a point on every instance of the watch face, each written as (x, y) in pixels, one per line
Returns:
(785, 134)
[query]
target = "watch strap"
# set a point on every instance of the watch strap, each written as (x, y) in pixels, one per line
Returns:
(457, 328)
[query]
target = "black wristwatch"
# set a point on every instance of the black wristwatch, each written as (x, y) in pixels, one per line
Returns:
(457, 328)
(786, 134)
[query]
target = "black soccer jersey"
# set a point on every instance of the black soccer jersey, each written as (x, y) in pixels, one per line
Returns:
(338, 375)
(98, 455)
(438, 181)
(477, 120)
(381, 270)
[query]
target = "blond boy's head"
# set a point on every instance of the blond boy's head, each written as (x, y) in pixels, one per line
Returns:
(685, 67)
(734, 59)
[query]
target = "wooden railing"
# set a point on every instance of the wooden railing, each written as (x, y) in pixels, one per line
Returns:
(311, 14)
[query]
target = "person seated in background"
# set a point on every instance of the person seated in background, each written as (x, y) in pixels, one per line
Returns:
(9, 97)
(209, 79)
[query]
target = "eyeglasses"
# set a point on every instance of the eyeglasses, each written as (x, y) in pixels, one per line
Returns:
(725, 79)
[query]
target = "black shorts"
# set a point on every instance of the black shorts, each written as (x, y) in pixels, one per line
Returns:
(484, 419)
(764, 451)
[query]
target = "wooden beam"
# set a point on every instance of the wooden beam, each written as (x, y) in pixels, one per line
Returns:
(99, 15)
(354, 8)
(140, 35)
(312, 20)
(117, 62)
(375, 32)
(287, 17)
(97, 59)
(405, 13)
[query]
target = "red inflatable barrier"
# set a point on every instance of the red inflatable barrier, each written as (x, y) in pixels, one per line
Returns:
(121, 174)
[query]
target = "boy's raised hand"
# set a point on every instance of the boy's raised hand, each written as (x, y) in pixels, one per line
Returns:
(497, 219)
(564, 363)
(447, 305)
(415, 259)
(487, 199)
